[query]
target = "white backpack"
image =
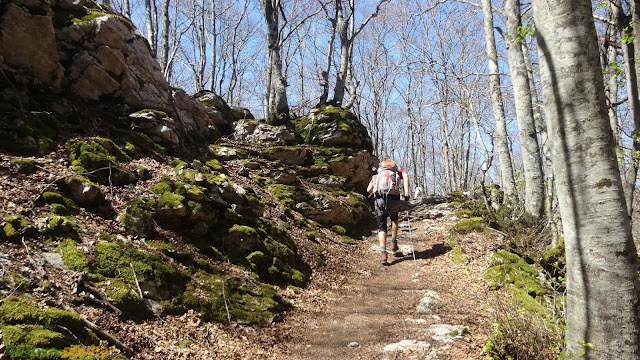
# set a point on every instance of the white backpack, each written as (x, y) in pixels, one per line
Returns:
(385, 182)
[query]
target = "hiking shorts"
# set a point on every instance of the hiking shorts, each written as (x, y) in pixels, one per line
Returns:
(386, 207)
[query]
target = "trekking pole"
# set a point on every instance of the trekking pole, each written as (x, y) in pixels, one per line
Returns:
(413, 250)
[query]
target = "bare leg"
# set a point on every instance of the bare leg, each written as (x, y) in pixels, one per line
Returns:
(394, 229)
(382, 239)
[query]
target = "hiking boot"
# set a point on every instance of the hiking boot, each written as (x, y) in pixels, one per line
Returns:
(394, 246)
(383, 259)
(395, 249)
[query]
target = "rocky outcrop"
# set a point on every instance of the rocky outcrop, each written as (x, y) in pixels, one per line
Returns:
(255, 132)
(88, 55)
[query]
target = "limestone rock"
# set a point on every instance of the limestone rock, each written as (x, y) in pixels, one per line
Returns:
(83, 191)
(429, 300)
(355, 169)
(27, 41)
(407, 344)
(448, 333)
(241, 113)
(254, 132)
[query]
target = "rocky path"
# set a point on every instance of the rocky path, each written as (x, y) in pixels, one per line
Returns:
(434, 308)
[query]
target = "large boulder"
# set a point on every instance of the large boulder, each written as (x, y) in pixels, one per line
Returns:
(255, 132)
(90, 55)
(333, 126)
(28, 43)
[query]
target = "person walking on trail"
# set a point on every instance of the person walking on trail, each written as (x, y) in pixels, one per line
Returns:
(387, 185)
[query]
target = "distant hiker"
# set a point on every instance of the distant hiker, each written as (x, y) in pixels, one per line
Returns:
(386, 186)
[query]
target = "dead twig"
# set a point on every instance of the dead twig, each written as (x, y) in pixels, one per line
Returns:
(98, 295)
(99, 332)
(135, 277)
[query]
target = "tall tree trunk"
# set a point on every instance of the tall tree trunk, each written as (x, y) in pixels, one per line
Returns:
(602, 282)
(502, 140)
(164, 46)
(342, 26)
(127, 9)
(631, 57)
(277, 111)
(152, 37)
(531, 160)
(324, 79)
(214, 46)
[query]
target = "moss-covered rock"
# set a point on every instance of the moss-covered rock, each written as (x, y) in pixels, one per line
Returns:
(242, 301)
(113, 260)
(30, 133)
(59, 226)
(14, 226)
(20, 310)
(465, 226)
(170, 205)
(55, 198)
(25, 166)
(73, 257)
(100, 159)
(226, 153)
(509, 268)
(333, 126)
(82, 190)
(138, 218)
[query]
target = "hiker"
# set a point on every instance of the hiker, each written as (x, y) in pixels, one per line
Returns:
(386, 186)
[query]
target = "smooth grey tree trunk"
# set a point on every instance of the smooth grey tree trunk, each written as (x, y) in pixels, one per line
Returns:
(531, 156)
(149, 10)
(164, 43)
(633, 102)
(277, 108)
(602, 281)
(502, 141)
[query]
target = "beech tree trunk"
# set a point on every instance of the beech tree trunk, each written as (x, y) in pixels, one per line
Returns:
(531, 157)
(602, 281)
(277, 107)
(502, 142)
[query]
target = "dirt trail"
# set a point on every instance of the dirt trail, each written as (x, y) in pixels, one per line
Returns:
(374, 306)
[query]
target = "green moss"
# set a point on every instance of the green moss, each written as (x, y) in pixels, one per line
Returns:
(465, 226)
(115, 261)
(185, 343)
(57, 226)
(35, 134)
(125, 299)
(170, 200)
(554, 254)
(25, 166)
(209, 267)
(165, 185)
(338, 229)
(215, 165)
(509, 268)
(32, 336)
(18, 310)
(56, 198)
(179, 164)
(73, 257)
(100, 157)
(144, 145)
(59, 209)
(457, 256)
(249, 231)
(347, 240)
(318, 256)
(138, 218)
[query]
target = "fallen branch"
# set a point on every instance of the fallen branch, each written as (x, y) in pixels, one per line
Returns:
(99, 332)
(99, 296)
(135, 277)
